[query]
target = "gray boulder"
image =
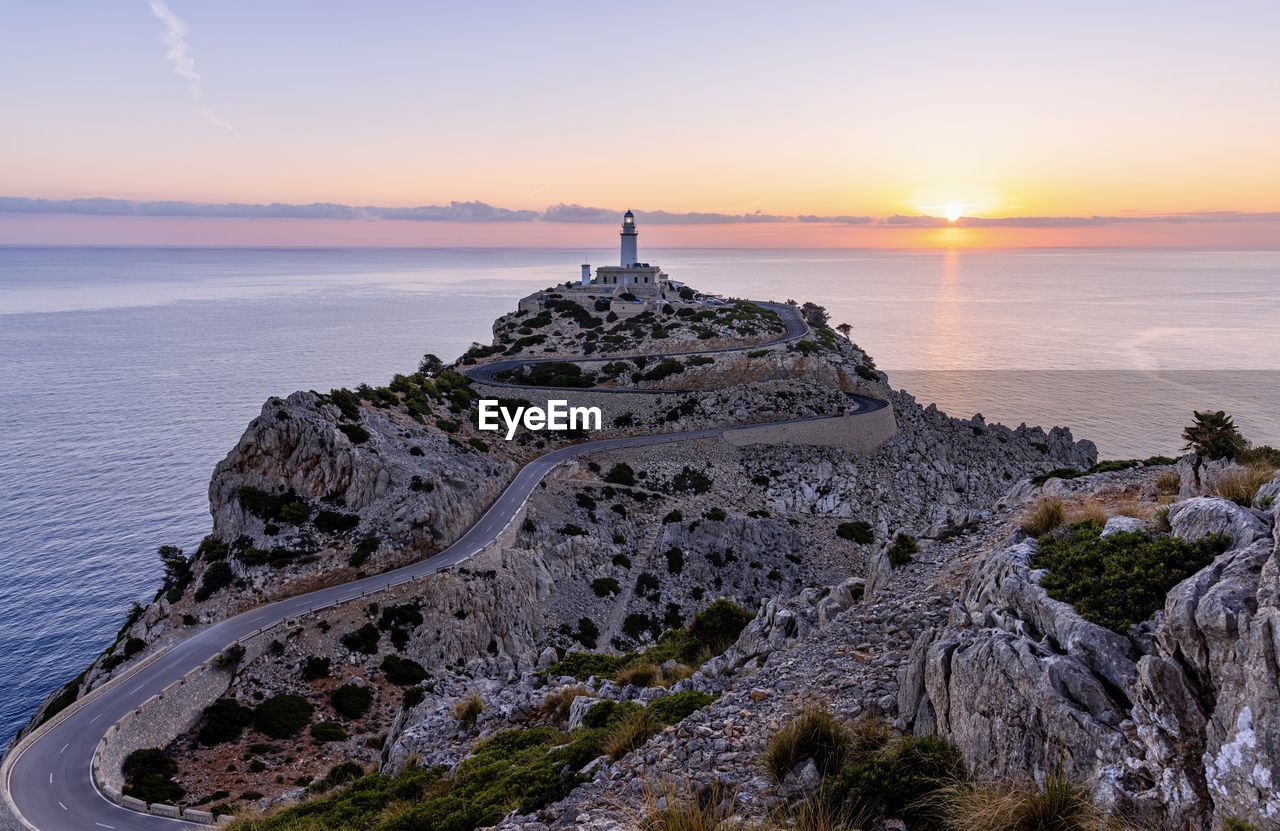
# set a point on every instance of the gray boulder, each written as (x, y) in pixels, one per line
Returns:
(1204, 515)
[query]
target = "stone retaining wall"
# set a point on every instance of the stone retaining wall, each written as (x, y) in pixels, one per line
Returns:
(160, 719)
(860, 434)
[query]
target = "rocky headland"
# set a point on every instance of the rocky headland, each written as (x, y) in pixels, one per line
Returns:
(661, 631)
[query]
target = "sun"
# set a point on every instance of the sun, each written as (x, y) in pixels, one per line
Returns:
(952, 210)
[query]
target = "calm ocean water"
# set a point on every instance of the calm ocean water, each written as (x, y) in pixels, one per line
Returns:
(126, 374)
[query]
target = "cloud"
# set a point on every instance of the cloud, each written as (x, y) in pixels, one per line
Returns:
(179, 55)
(480, 212)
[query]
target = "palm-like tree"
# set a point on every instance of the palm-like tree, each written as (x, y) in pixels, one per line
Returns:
(1214, 436)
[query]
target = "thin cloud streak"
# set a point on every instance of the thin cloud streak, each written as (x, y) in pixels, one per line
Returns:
(179, 55)
(482, 212)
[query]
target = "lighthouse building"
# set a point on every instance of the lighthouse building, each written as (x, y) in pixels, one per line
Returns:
(629, 275)
(627, 289)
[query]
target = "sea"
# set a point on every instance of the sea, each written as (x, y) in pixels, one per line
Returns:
(126, 374)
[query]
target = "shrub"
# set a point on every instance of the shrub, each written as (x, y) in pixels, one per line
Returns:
(716, 627)
(333, 522)
(403, 672)
(866, 373)
(467, 710)
(216, 578)
(351, 701)
(363, 550)
(363, 640)
(223, 721)
(1261, 456)
(315, 667)
(672, 516)
(815, 733)
(571, 530)
(716, 514)
(678, 706)
(282, 716)
(556, 705)
(903, 547)
(690, 480)
(148, 775)
(1061, 805)
(1213, 435)
(1241, 484)
(632, 731)
(675, 560)
(856, 531)
(621, 474)
(478, 444)
(354, 432)
(588, 633)
(899, 782)
(328, 731)
(1121, 579)
(1043, 516)
(605, 586)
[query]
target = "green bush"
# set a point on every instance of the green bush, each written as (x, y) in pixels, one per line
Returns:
(571, 530)
(716, 515)
(363, 551)
(690, 480)
(216, 578)
(328, 731)
(363, 640)
(676, 707)
(334, 522)
(902, 549)
(605, 586)
(1122, 579)
(856, 531)
(282, 716)
(351, 701)
(354, 432)
(148, 775)
(716, 627)
(403, 672)
(621, 474)
(315, 667)
(675, 560)
(898, 782)
(672, 516)
(223, 721)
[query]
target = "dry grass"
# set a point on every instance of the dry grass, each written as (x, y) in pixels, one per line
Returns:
(1161, 521)
(1061, 805)
(1240, 484)
(1168, 483)
(467, 710)
(1043, 516)
(672, 808)
(815, 733)
(817, 813)
(630, 733)
(556, 705)
(639, 675)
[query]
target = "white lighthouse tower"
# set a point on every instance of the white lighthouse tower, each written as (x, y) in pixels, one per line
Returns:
(629, 256)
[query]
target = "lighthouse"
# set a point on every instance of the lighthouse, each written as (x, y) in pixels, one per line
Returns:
(629, 256)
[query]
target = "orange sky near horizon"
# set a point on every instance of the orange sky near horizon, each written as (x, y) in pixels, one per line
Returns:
(17, 229)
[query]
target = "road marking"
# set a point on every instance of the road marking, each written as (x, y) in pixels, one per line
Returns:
(50, 778)
(95, 718)
(100, 825)
(60, 805)
(64, 748)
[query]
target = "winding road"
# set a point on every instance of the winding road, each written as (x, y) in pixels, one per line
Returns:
(46, 778)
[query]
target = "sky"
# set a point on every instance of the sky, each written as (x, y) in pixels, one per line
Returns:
(1085, 123)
